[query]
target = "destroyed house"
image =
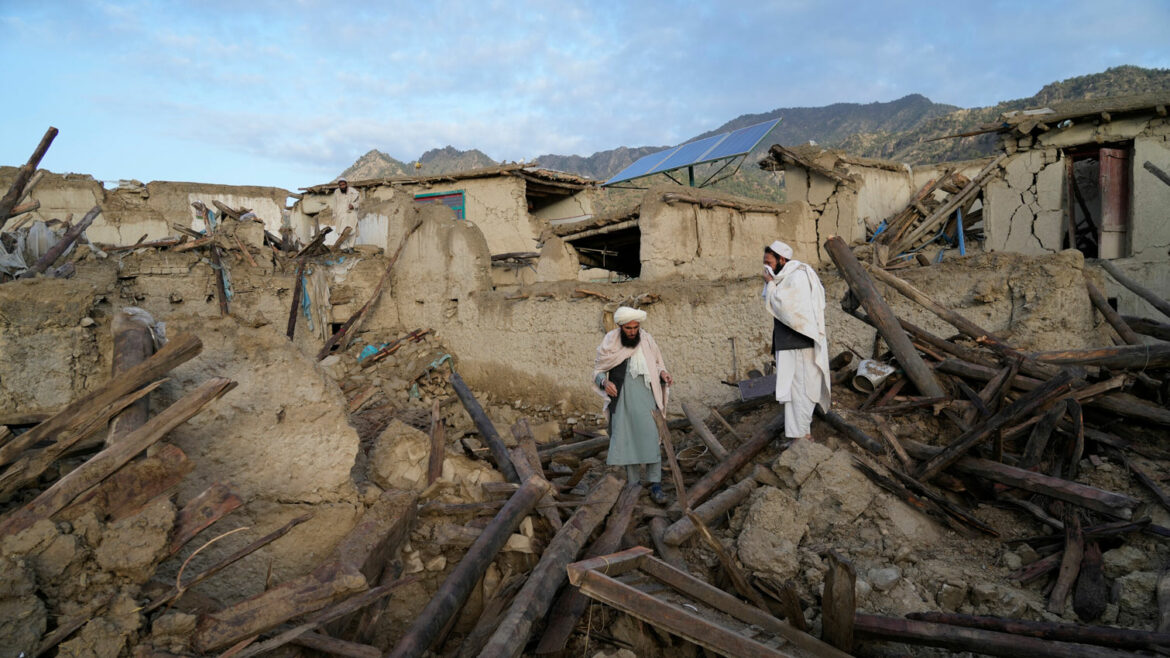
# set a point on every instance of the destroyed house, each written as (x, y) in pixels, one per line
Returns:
(511, 204)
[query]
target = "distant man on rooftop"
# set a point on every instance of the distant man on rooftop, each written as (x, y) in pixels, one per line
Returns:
(630, 374)
(796, 301)
(346, 201)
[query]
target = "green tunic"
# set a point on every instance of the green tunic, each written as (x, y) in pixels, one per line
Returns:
(633, 436)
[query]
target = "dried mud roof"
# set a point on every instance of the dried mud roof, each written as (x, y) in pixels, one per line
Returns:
(627, 213)
(1098, 109)
(529, 172)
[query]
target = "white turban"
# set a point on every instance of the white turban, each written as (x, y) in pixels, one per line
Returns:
(625, 314)
(781, 249)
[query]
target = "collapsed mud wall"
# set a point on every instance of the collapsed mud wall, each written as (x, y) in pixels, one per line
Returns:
(134, 209)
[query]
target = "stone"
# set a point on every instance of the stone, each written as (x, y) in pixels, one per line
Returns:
(836, 493)
(546, 432)
(885, 579)
(984, 593)
(862, 588)
(1120, 561)
(797, 463)
(23, 617)
(437, 563)
(951, 596)
(1136, 595)
(399, 459)
(773, 528)
(133, 546)
(1011, 560)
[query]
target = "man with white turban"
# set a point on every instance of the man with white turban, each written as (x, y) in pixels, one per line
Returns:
(630, 374)
(345, 212)
(796, 301)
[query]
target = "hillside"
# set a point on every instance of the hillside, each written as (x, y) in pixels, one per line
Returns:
(896, 130)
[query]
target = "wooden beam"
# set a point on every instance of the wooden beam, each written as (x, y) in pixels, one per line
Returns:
(49, 257)
(1111, 316)
(484, 426)
(704, 434)
(23, 174)
(1147, 327)
(1156, 171)
(1138, 289)
(736, 459)
(839, 603)
(717, 506)
(680, 489)
(1135, 357)
(1106, 636)
(133, 344)
(216, 502)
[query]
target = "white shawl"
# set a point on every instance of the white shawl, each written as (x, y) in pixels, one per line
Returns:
(796, 298)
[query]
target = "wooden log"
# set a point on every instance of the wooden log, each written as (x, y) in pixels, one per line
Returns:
(298, 290)
(133, 486)
(99, 467)
(680, 489)
(49, 257)
(1138, 289)
(133, 344)
(839, 603)
(736, 459)
(887, 323)
(1137, 357)
(945, 210)
(580, 449)
(153, 244)
(534, 598)
(1148, 327)
(726, 425)
(725, 501)
(850, 431)
(1145, 479)
(335, 647)
(727, 410)
(1163, 595)
(353, 325)
(493, 609)
(192, 245)
(572, 604)
(455, 590)
(182, 587)
(220, 280)
(179, 350)
(1038, 439)
(670, 554)
(216, 502)
(958, 638)
(438, 444)
(25, 207)
(704, 434)
(1098, 500)
(891, 439)
(346, 607)
(1111, 316)
(547, 505)
(1025, 405)
(485, 427)
(1105, 636)
(1070, 564)
(1092, 592)
(23, 174)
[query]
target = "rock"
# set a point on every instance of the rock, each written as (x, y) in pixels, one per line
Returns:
(172, 632)
(836, 493)
(399, 461)
(1136, 595)
(984, 593)
(412, 562)
(437, 563)
(1011, 560)
(1027, 554)
(332, 366)
(547, 432)
(132, 546)
(23, 617)
(773, 528)
(862, 588)
(795, 464)
(1121, 561)
(951, 595)
(884, 579)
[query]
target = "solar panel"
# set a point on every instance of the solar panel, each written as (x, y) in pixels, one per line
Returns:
(688, 154)
(741, 141)
(717, 147)
(642, 166)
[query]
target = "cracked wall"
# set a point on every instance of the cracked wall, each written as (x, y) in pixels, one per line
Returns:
(1023, 209)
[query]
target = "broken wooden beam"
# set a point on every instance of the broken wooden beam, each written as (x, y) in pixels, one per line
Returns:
(701, 430)
(23, 174)
(736, 459)
(133, 486)
(958, 638)
(1105, 636)
(216, 502)
(100, 466)
(1026, 404)
(571, 604)
(680, 489)
(438, 444)
(1111, 316)
(485, 427)
(1148, 327)
(840, 603)
(534, 598)
(885, 320)
(725, 501)
(1137, 357)
(579, 449)
(524, 470)
(49, 257)
(133, 344)
(1138, 289)
(455, 590)
(850, 431)
(1070, 564)
(298, 291)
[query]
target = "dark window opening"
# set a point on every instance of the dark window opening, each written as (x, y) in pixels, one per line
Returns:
(1097, 206)
(617, 251)
(453, 200)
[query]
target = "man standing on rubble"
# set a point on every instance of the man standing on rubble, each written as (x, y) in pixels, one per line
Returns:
(796, 301)
(630, 374)
(345, 206)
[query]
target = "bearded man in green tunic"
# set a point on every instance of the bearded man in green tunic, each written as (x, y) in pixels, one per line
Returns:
(630, 374)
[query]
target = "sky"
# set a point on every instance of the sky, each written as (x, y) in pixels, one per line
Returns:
(289, 93)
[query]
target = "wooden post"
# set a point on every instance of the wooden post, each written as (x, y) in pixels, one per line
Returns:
(12, 197)
(298, 289)
(571, 604)
(885, 320)
(1070, 564)
(46, 261)
(736, 459)
(703, 432)
(1145, 293)
(438, 445)
(65, 490)
(1111, 316)
(455, 590)
(133, 344)
(709, 511)
(534, 598)
(680, 489)
(839, 603)
(485, 427)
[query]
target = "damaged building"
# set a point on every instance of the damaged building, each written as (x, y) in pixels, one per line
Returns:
(221, 433)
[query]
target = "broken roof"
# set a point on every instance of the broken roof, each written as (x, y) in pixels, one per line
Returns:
(529, 172)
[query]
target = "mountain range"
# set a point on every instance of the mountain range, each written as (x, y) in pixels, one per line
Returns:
(895, 130)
